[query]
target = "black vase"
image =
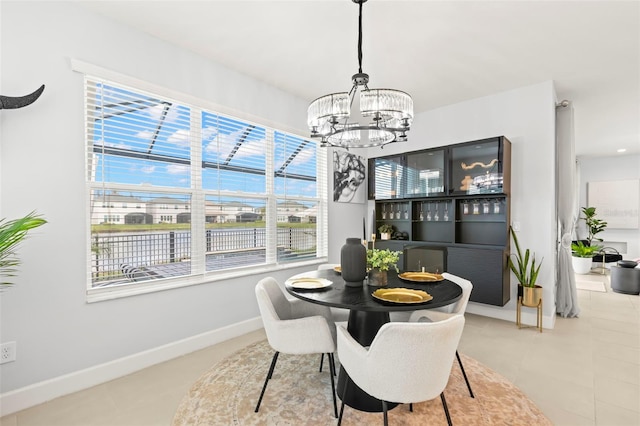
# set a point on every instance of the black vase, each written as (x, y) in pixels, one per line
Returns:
(353, 261)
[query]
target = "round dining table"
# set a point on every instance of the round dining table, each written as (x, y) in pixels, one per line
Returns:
(367, 314)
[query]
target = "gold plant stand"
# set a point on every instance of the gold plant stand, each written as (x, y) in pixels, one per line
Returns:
(530, 303)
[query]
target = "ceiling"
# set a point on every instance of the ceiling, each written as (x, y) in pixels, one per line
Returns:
(440, 52)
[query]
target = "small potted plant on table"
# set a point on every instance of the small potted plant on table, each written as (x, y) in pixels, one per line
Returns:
(379, 261)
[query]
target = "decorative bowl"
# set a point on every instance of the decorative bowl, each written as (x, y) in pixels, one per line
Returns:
(627, 263)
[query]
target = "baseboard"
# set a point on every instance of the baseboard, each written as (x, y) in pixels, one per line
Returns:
(528, 315)
(38, 393)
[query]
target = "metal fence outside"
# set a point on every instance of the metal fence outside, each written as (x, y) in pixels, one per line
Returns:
(112, 254)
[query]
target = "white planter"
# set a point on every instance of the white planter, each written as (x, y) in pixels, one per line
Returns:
(385, 235)
(581, 265)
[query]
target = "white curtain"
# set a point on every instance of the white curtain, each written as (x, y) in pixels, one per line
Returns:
(567, 195)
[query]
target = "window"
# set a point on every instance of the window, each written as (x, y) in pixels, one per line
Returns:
(211, 192)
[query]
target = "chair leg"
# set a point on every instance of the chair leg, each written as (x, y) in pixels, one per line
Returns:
(464, 375)
(446, 409)
(344, 392)
(321, 361)
(264, 388)
(332, 373)
(384, 413)
(333, 362)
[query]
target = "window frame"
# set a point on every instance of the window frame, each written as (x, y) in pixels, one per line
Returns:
(198, 195)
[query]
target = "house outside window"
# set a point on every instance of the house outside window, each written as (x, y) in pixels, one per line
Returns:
(227, 179)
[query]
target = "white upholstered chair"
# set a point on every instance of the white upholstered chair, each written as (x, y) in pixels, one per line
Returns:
(295, 327)
(439, 314)
(406, 362)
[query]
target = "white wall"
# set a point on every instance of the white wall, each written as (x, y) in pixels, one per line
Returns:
(42, 167)
(599, 169)
(526, 116)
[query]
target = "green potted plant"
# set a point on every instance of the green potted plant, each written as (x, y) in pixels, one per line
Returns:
(582, 259)
(526, 273)
(12, 233)
(379, 262)
(594, 225)
(385, 231)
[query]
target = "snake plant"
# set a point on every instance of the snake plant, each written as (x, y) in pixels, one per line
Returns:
(526, 273)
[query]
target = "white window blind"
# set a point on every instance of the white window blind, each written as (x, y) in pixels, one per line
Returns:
(176, 190)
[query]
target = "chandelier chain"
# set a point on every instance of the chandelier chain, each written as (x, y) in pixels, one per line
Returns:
(360, 39)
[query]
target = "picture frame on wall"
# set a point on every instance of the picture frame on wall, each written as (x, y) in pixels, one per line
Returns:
(617, 202)
(349, 176)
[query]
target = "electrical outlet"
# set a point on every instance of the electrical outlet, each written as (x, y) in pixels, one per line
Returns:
(7, 352)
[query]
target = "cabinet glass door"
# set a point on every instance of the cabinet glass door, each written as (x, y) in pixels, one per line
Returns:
(388, 177)
(476, 167)
(425, 173)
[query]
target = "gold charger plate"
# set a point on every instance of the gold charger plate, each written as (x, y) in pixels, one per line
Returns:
(421, 277)
(304, 283)
(401, 296)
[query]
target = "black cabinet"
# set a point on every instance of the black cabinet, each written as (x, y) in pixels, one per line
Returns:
(486, 269)
(454, 199)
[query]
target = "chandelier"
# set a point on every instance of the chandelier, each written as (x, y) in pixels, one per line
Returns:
(386, 113)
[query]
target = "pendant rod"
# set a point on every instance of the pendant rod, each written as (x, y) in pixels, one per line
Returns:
(360, 38)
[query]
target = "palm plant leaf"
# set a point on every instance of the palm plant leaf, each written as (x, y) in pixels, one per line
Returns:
(12, 233)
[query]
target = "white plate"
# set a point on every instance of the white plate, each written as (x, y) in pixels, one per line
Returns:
(303, 283)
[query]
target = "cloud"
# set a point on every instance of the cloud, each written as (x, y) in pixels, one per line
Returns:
(178, 169)
(180, 138)
(304, 156)
(209, 132)
(145, 134)
(156, 112)
(147, 169)
(225, 143)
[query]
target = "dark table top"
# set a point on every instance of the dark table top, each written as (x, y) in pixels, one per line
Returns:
(359, 298)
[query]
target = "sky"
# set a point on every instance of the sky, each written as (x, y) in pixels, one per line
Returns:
(141, 140)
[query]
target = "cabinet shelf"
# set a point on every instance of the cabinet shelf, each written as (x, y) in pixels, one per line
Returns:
(479, 221)
(431, 221)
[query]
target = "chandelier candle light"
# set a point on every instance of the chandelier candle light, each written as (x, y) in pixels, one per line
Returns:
(390, 112)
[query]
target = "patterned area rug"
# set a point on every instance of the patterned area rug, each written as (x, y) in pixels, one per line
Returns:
(298, 394)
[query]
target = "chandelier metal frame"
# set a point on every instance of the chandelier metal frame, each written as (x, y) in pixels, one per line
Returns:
(390, 111)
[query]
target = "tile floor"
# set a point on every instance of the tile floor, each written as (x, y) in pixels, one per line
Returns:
(584, 372)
